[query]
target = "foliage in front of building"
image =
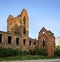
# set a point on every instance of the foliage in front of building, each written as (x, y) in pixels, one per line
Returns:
(37, 51)
(17, 52)
(57, 51)
(32, 54)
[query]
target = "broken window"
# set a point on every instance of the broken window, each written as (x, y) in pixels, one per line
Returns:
(24, 30)
(24, 20)
(17, 41)
(43, 43)
(0, 37)
(34, 43)
(24, 42)
(9, 39)
(29, 43)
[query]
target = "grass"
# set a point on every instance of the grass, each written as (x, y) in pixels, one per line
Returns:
(26, 57)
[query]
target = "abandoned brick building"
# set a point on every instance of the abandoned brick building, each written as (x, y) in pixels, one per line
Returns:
(17, 35)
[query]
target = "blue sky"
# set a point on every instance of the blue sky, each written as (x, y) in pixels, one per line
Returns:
(41, 13)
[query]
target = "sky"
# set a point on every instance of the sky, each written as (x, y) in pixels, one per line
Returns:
(41, 13)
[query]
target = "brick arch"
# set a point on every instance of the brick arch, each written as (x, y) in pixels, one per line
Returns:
(40, 40)
(44, 37)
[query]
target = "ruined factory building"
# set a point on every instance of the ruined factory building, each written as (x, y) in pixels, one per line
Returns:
(17, 35)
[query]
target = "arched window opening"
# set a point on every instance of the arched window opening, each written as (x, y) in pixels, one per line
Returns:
(34, 43)
(43, 43)
(24, 30)
(24, 42)
(29, 43)
(24, 20)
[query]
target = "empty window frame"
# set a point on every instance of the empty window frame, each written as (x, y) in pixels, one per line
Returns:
(0, 38)
(43, 43)
(17, 41)
(24, 42)
(34, 43)
(24, 20)
(29, 43)
(24, 30)
(9, 39)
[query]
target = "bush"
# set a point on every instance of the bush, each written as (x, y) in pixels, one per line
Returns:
(12, 52)
(25, 53)
(57, 51)
(3, 52)
(43, 52)
(38, 51)
(17, 52)
(8, 52)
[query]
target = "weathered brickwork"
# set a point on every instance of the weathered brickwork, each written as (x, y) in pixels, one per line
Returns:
(17, 35)
(46, 40)
(19, 25)
(4, 40)
(32, 43)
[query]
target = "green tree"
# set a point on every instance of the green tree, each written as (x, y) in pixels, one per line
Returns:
(57, 51)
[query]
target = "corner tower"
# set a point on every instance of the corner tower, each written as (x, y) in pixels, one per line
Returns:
(19, 25)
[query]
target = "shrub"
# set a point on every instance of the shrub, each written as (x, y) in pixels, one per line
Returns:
(57, 51)
(8, 52)
(17, 52)
(38, 51)
(25, 53)
(43, 52)
(12, 52)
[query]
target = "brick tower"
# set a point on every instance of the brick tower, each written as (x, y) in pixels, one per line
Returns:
(19, 25)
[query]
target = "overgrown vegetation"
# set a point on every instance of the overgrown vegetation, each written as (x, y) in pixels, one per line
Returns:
(57, 51)
(17, 52)
(13, 54)
(38, 51)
